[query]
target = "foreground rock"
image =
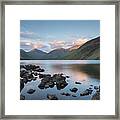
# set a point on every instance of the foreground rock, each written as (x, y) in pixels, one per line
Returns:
(74, 90)
(22, 97)
(96, 96)
(21, 84)
(86, 92)
(32, 67)
(52, 97)
(29, 73)
(49, 81)
(30, 91)
(66, 94)
(78, 83)
(74, 96)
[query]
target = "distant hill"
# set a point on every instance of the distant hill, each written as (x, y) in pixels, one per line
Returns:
(57, 54)
(24, 55)
(88, 51)
(36, 54)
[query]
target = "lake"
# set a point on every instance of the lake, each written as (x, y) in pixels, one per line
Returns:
(87, 72)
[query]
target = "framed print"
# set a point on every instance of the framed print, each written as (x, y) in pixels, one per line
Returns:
(60, 60)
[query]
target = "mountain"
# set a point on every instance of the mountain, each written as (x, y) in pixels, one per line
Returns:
(36, 54)
(24, 55)
(57, 53)
(88, 51)
(74, 47)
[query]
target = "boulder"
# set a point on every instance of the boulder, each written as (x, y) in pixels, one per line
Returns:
(78, 83)
(74, 96)
(74, 90)
(86, 92)
(22, 97)
(30, 91)
(52, 97)
(66, 94)
(96, 96)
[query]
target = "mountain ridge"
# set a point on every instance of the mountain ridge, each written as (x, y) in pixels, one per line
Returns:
(88, 51)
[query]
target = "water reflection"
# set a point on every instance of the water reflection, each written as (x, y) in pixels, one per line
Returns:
(86, 74)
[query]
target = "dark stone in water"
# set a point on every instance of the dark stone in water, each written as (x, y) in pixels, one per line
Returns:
(78, 83)
(67, 76)
(30, 91)
(41, 75)
(22, 97)
(96, 96)
(21, 84)
(34, 78)
(74, 90)
(42, 70)
(90, 88)
(51, 84)
(96, 87)
(66, 94)
(52, 97)
(61, 85)
(86, 92)
(58, 77)
(74, 96)
(41, 85)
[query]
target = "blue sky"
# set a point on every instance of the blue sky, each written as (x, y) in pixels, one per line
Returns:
(47, 35)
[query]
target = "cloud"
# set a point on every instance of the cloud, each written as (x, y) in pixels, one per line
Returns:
(29, 35)
(32, 45)
(80, 41)
(57, 44)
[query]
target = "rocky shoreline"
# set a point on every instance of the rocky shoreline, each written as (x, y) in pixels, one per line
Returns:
(33, 72)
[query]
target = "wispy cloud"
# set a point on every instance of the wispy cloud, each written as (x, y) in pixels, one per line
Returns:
(28, 44)
(57, 44)
(29, 35)
(32, 45)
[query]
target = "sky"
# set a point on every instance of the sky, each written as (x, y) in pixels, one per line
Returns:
(48, 35)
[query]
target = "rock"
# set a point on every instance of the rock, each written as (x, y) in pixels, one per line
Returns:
(51, 84)
(78, 83)
(96, 87)
(86, 92)
(41, 85)
(22, 97)
(23, 73)
(46, 85)
(61, 85)
(96, 96)
(74, 96)
(90, 88)
(52, 97)
(21, 84)
(66, 94)
(58, 77)
(41, 75)
(34, 78)
(30, 91)
(22, 66)
(67, 76)
(42, 70)
(74, 90)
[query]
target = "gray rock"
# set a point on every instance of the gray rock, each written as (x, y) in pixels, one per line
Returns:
(30, 91)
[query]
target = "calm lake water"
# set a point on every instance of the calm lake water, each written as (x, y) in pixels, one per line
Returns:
(85, 71)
